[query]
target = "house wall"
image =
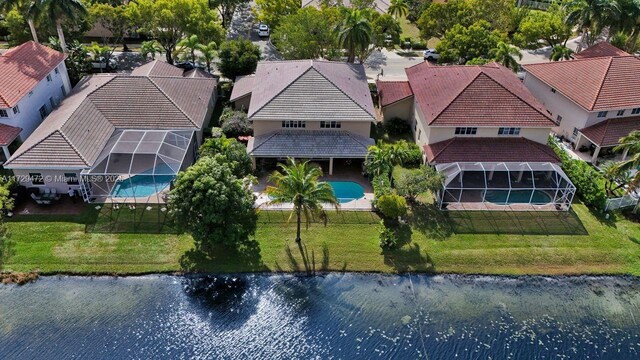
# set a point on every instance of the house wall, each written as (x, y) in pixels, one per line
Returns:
(361, 128)
(438, 133)
(53, 179)
(402, 109)
(29, 117)
(242, 103)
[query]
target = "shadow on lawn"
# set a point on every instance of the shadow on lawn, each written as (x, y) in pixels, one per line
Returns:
(6, 245)
(517, 222)
(138, 219)
(408, 256)
(307, 261)
(244, 258)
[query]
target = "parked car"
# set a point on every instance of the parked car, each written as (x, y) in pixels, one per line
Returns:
(431, 55)
(263, 30)
(102, 64)
(188, 65)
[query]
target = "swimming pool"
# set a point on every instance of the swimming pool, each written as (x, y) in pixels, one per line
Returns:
(141, 185)
(346, 191)
(517, 197)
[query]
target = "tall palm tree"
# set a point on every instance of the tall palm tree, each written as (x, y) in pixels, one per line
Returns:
(209, 52)
(560, 52)
(631, 145)
(506, 55)
(8, 5)
(591, 16)
(615, 176)
(381, 158)
(398, 9)
(354, 34)
(191, 44)
(59, 10)
(629, 21)
(298, 183)
(150, 47)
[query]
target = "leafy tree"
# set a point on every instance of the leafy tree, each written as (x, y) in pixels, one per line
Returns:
(384, 26)
(412, 183)
(17, 27)
(58, 10)
(392, 206)
(189, 44)
(238, 57)
(213, 205)
(381, 159)
(19, 7)
(169, 21)
(561, 52)
(99, 53)
(235, 123)
(627, 23)
(398, 9)
(591, 16)
(307, 34)
(208, 53)
(416, 7)
(549, 26)
(234, 153)
(506, 55)
(298, 184)
(115, 18)
(150, 47)
(478, 61)
(226, 8)
(461, 44)
(271, 12)
(354, 34)
(77, 62)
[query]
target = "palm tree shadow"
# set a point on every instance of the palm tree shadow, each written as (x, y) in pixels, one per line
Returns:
(308, 259)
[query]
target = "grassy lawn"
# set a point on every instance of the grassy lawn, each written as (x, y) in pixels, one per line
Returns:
(408, 29)
(454, 242)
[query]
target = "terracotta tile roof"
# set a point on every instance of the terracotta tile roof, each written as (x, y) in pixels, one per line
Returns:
(487, 95)
(22, 68)
(393, 91)
(311, 90)
(8, 134)
(242, 87)
(472, 149)
(157, 68)
(595, 84)
(601, 49)
(609, 132)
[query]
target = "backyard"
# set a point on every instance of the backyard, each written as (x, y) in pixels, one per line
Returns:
(509, 243)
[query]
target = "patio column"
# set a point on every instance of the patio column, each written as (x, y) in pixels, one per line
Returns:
(7, 154)
(330, 166)
(253, 163)
(596, 152)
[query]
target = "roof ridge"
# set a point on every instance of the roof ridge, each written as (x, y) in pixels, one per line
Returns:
(604, 78)
(71, 144)
(455, 97)
(281, 91)
(269, 136)
(344, 93)
(446, 146)
(173, 102)
(355, 138)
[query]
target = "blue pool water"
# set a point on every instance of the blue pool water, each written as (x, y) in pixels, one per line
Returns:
(517, 197)
(347, 191)
(141, 185)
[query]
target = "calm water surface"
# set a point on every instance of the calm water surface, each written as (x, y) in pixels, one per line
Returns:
(337, 316)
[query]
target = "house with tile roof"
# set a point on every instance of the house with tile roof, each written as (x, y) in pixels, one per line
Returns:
(119, 136)
(595, 98)
(484, 130)
(308, 109)
(33, 81)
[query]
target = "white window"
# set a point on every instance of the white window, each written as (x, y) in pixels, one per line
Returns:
(553, 90)
(330, 124)
(635, 111)
(3, 113)
(466, 130)
(294, 124)
(602, 114)
(36, 178)
(72, 178)
(419, 134)
(508, 131)
(575, 131)
(43, 112)
(620, 113)
(57, 71)
(64, 91)
(49, 78)
(30, 93)
(559, 118)
(16, 110)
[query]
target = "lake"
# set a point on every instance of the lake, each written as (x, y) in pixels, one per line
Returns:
(341, 316)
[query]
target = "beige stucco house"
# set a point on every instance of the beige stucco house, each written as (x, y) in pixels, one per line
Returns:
(307, 109)
(595, 98)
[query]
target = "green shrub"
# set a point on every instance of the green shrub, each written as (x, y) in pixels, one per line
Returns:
(388, 237)
(392, 206)
(412, 155)
(397, 126)
(381, 186)
(418, 45)
(235, 123)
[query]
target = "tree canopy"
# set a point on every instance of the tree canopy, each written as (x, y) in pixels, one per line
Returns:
(461, 44)
(549, 26)
(271, 12)
(234, 153)
(238, 57)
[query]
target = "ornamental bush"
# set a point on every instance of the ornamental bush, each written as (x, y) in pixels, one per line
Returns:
(381, 186)
(392, 206)
(235, 123)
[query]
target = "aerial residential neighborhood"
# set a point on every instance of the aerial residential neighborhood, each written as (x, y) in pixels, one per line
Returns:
(319, 179)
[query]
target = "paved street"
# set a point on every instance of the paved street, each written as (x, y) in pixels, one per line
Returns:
(543, 54)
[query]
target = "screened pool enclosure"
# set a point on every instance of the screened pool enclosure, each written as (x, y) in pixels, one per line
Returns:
(514, 184)
(138, 165)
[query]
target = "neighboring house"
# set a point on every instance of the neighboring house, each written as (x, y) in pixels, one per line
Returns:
(594, 98)
(380, 6)
(33, 81)
(483, 129)
(117, 136)
(308, 109)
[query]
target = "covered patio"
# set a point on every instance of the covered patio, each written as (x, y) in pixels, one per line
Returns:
(595, 143)
(500, 185)
(8, 134)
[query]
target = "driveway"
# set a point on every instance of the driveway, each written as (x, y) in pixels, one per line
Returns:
(544, 54)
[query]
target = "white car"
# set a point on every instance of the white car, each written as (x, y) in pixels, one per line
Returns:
(431, 55)
(263, 30)
(101, 63)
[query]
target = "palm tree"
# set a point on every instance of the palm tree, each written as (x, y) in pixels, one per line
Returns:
(7, 5)
(381, 158)
(506, 55)
(150, 47)
(297, 183)
(629, 22)
(630, 144)
(354, 34)
(209, 53)
(560, 52)
(58, 10)
(398, 9)
(591, 16)
(615, 176)
(191, 44)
